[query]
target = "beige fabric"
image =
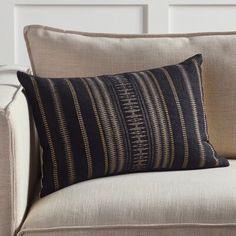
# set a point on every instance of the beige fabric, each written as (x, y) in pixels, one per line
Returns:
(196, 202)
(5, 175)
(58, 53)
(187, 230)
(15, 153)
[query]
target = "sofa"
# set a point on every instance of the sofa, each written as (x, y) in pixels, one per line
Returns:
(170, 203)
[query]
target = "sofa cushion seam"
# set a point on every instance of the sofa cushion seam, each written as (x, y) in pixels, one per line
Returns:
(14, 96)
(120, 227)
(110, 35)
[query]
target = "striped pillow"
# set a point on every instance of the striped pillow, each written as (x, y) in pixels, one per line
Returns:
(141, 121)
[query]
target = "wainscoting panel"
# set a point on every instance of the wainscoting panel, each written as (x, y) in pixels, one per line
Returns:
(201, 18)
(113, 16)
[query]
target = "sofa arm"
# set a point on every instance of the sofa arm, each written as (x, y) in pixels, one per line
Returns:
(18, 146)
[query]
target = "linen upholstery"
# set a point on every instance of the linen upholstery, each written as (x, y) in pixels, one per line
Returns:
(60, 53)
(180, 203)
(16, 180)
(100, 126)
(188, 230)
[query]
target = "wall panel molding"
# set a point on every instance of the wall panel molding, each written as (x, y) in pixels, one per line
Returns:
(7, 32)
(119, 16)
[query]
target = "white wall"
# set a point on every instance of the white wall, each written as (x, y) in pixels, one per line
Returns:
(119, 16)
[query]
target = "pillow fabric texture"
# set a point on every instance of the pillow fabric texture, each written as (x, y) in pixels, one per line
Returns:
(92, 127)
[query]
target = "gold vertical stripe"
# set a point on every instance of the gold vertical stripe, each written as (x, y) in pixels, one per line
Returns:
(106, 125)
(116, 131)
(201, 92)
(155, 81)
(64, 133)
(195, 114)
(82, 128)
(154, 111)
(204, 110)
(99, 125)
(48, 133)
(181, 117)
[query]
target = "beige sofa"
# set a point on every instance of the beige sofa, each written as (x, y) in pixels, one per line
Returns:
(176, 203)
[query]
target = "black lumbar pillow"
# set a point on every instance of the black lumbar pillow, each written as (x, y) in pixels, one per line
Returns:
(141, 121)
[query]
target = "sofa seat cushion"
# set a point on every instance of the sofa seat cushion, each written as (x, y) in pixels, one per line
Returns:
(179, 203)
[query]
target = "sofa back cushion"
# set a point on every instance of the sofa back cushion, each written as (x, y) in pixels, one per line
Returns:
(60, 53)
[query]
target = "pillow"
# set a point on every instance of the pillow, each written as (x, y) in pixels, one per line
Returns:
(62, 53)
(151, 120)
